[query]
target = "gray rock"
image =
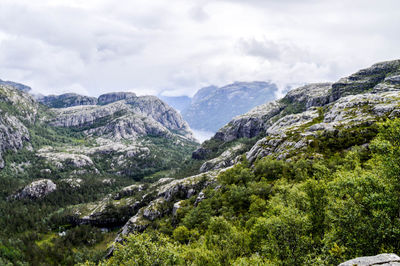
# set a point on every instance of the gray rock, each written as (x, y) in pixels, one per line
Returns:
(250, 124)
(227, 158)
(385, 259)
(316, 94)
(114, 97)
(67, 100)
(364, 80)
(176, 207)
(18, 111)
(199, 198)
(35, 190)
(125, 119)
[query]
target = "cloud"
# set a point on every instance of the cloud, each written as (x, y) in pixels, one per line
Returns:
(97, 46)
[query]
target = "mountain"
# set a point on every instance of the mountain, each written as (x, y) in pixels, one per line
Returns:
(308, 179)
(296, 181)
(212, 107)
(73, 99)
(16, 85)
(177, 102)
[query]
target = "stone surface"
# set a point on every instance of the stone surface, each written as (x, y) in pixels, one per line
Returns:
(114, 97)
(35, 190)
(129, 118)
(66, 100)
(385, 259)
(365, 79)
(227, 158)
(17, 111)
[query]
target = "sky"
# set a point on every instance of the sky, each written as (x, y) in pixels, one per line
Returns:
(176, 47)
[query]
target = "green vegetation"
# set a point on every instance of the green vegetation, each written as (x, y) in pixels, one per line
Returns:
(303, 212)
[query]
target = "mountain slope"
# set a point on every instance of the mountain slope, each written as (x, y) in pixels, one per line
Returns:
(213, 107)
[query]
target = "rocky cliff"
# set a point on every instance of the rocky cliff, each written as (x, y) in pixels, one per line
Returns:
(18, 111)
(67, 100)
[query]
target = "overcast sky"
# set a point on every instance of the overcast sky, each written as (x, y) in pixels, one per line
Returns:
(178, 46)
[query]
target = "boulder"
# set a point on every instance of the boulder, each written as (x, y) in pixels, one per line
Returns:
(386, 259)
(35, 190)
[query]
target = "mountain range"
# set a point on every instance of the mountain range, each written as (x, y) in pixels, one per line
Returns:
(293, 181)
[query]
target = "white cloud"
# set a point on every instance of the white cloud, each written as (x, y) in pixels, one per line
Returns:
(97, 46)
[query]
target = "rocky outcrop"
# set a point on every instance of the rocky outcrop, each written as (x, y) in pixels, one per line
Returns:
(67, 100)
(366, 79)
(386, 259)
(172, 192)
(293, 133)
(316, 94)
(62, 159)
(35, 190)
(124, 119)
(114, 97)
(17, 110)
(213, 107)
(226, 159)
(250, 124)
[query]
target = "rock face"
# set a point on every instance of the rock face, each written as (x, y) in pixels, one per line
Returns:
(17, 110)
(213, 107)
(381, 259)
(114, 97)
(35, 190)
(128, 119)
(170, 192)
(227, 158)
(67, 100)
(366, 79)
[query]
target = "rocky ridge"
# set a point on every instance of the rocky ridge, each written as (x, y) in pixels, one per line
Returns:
(290, 125)
(67, 100)
(72, 99)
